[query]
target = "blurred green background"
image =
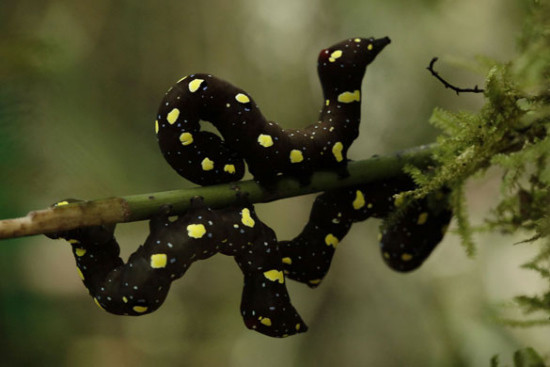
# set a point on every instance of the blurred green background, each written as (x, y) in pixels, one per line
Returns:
(80, 83)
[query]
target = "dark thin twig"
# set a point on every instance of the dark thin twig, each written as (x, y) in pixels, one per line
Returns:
(449, 85)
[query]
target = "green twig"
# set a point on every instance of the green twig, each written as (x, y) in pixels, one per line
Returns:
(140, 207)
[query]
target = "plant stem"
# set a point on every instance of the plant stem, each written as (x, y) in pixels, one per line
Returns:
(140, 207)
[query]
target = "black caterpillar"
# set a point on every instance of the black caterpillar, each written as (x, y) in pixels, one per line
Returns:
(406, 237)
(140, 285)
(202, 157)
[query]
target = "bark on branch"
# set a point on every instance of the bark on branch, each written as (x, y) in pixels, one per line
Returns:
(143, 206)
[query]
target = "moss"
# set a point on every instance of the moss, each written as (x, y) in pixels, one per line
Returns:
(510, 131)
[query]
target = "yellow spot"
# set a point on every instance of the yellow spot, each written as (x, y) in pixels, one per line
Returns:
(298, 326)
(275, 275)
(158, 261)
(242, 98)
(399, 199)
(265, 321)
(139, 309)
(182, 79)
(287, 260)
(379, 237)
(359, 201)
(387, 255)
(337, 151)
(369, 47)
(327, 102)
(369, 205)
(186, 138)
(330, 240)
(229, 168)
(314, 281)
(265, 140)
(196, 230)
(207, 164)
(406, 257)
(61, 203)
(357, 40)
(194, 85)
(246, 219)
(336, 54)
(80, 252)
(349, 97)
(124, 299)
(73, 241)
(97, 303)
(173, 116)
(80, 273)
(331, 129)
(422, 218)
(156, 126)
(296, 156)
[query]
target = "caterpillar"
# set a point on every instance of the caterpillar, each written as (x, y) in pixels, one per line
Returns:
(269, 150)
(406, 237)
(141, 285)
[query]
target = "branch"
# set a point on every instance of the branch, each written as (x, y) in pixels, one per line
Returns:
(140, 207)
(449, 85)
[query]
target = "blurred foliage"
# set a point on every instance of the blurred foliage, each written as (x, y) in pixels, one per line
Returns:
(79, 87)
(527, 357)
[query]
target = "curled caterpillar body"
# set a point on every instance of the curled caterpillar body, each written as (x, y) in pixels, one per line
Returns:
(407, 238)
(204, 158)
(140, 285)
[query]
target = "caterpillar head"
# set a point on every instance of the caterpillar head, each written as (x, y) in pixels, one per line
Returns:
(342, 66)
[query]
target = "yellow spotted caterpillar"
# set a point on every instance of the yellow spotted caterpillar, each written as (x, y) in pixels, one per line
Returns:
(204, 158)
(140, 285)
(406, 238)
